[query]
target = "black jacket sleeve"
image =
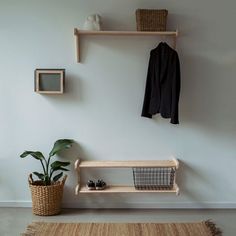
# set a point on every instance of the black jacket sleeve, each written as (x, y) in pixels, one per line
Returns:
(175, 90)
(152, 87)
(147, 96)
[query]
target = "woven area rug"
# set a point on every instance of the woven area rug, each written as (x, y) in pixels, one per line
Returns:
(206, 228)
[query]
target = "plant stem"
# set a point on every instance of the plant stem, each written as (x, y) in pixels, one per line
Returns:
(51, 172)
(43, 167)
(48, 162)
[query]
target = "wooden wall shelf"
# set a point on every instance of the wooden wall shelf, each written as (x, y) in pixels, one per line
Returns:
(78, 33)
(49, 81)
(79, 165)
(127, 189)
(128, 164)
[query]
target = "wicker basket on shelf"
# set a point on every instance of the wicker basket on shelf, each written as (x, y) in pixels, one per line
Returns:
(151, 19)
(46, 200)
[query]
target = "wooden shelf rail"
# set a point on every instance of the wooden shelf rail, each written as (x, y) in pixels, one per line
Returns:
(128, 164)
(78, 33)
(124, 164)
(127, 189)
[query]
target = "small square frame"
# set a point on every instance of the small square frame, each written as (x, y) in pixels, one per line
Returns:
(57, 77)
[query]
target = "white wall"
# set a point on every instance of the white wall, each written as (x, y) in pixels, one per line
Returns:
(101, 108)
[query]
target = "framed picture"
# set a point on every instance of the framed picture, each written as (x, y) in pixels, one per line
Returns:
(49, 81)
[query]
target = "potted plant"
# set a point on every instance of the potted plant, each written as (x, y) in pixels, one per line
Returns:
(47, 191)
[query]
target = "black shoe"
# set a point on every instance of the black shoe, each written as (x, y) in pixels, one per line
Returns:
(100, 185)
(91, 185)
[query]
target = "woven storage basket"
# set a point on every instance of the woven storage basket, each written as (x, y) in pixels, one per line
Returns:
(46, 200)
(151, 19)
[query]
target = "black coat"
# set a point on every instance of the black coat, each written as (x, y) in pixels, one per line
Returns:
(163, 84)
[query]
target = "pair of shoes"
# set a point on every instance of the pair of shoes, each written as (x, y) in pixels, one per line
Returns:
(91, 185)
(100, 185)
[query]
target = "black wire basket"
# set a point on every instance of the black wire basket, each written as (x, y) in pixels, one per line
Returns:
(154, 178)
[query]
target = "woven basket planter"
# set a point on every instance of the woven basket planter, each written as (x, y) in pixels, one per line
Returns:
(151, 19)
(46, 200)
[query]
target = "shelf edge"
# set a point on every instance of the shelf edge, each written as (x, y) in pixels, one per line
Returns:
(126, 189)
(128, 33)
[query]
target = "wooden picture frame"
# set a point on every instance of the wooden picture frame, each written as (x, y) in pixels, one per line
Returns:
(49, 81)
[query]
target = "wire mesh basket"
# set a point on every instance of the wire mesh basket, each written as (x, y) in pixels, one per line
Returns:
(154, 178)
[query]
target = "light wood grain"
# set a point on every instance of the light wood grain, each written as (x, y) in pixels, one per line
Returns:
(78, 176)
(128, 33)
(37, 89)
(125, 164)
(50, 92)
(125, 189)
(128, 164)
(77, 44)
(78, 33)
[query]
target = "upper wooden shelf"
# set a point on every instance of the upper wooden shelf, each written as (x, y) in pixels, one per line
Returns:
(128, 33)
(78, 33)
(127, 164)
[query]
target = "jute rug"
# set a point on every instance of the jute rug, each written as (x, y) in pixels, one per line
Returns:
(206, 228)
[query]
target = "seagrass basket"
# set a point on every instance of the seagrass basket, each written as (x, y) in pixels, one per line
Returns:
(151, 19)
(46, 200)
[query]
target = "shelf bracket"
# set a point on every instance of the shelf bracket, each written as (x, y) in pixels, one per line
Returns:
(77, 168)
(177, 189)
(175, 161)
(78, 33)
(175, 39)
(77, 44)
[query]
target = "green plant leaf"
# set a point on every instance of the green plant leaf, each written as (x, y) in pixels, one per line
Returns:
(59, 168)
(60, 145)
(57, 177)
(39, 175)
(57, 164)
(37, 155)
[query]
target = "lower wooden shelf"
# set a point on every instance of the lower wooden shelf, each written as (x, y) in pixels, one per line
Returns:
(127, 189)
